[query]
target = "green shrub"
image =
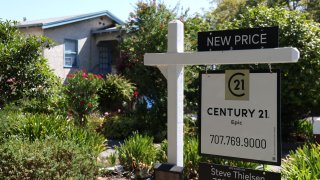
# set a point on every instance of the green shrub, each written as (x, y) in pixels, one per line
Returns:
(54, 103)
(190, 127)
(304, 163)
(115, 90)
(9, 119)
(304, 130)
(47, 159)
(24, 72)
(85, 137)
(162, 152)
(120, 126)
(41, 126)
(151, 121)
(41, 146)
(137, 154)
(81, 94)
(112, 158)
(96, 122)
(191, 157)
(146, 120)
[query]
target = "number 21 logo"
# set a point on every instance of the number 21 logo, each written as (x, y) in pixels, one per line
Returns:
(237, 85)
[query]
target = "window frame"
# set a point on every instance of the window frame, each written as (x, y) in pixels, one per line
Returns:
(76, 53)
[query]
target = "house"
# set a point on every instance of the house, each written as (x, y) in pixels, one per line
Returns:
(88, 41)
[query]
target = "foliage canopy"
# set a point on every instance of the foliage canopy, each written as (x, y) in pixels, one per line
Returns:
(147, 31)
(23, 70)
(300, 81)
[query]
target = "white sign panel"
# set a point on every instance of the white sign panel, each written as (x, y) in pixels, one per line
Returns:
(241, 128)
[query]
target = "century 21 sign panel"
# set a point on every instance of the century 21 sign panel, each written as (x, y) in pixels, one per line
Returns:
(240, 115)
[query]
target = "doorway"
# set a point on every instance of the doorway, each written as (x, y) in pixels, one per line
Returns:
(105, 60)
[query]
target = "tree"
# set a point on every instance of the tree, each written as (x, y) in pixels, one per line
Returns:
(226, 10)
(147, 33)
(23, 70)
(313, 8)
(300, 81)
(147, 30)
(193, 25)
(304, 5)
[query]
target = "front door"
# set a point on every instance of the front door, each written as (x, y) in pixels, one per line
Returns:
(105, 60)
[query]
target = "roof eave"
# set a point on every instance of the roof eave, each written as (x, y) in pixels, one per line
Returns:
(82, 18)
(30, 25)
(68, 21)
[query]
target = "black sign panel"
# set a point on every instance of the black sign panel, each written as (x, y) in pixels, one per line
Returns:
(253, 38)
(215, 172)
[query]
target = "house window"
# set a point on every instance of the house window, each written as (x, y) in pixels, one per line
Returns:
(70, 53)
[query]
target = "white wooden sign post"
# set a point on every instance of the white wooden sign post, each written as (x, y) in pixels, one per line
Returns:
(171, 65)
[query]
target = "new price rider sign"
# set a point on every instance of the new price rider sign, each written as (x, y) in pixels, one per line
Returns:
(252, 38)
(240, 115)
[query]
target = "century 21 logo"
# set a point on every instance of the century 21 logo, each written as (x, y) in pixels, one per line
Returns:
(237, 85)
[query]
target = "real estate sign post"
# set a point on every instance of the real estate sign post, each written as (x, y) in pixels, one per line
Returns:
(172, 63)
